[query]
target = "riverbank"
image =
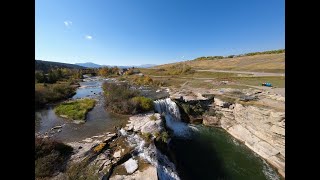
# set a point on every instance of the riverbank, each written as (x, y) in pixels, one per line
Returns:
(161, 145)
(255, 117)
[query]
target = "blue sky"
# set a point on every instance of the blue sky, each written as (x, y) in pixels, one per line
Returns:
(134, 32)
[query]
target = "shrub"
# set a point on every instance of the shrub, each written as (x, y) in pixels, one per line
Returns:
(50, 156)
(82, 170)
(123, 99)
(47, 93)
(122, 79)
(147, 136)
(146, 80)
(99, 147)
(142, 103)
(163, 136)
(153, 117)
(179, 69)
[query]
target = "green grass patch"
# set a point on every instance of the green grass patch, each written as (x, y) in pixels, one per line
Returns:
(276, 81)
(75, 110)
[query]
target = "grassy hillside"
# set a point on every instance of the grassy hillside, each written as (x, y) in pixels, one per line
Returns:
(46, 65)
(259, 63)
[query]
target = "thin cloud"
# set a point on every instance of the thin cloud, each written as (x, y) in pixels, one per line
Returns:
(67, 23)
(88, 37)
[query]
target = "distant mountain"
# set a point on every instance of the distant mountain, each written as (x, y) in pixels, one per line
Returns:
(47, 65)
(89, 65)
(146, 65)
(93, 65)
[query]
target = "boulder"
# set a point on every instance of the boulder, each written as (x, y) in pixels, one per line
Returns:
(88, 140)
(117, 154)
(138, 121)
(149, 173)
(152, 127)
(131, 165)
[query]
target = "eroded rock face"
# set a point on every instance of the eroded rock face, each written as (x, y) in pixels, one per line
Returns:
(211, 121)
(150, 122)
(262, 130)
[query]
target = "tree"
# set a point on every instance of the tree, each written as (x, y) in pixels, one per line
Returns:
(40, 77)
(52, 78)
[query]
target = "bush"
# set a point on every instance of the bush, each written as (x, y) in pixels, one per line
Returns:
(132, 71)
(123, 99)
(75, 110)
(48, 93)
(50, 156)
(179, 69)
(147, 136)
(153, 117)
(146, 80)
(163, 136)
(99, 147)
(142, 103)
(82, 170)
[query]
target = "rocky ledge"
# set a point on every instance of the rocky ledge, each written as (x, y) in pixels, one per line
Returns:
(260, 129)
(255, 117)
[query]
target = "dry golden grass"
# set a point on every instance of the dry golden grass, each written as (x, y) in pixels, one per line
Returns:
(258, 63)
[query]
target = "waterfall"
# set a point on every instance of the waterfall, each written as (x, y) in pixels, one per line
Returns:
(167, 106)
(165, 168)
(172, 116)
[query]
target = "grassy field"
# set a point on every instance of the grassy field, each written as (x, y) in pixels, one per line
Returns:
(260, 63)
(198, 79)
(75, 110)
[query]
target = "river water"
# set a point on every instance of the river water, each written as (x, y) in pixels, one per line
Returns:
(199, 152)
(206, 153)
(214, 154)
(98, 120)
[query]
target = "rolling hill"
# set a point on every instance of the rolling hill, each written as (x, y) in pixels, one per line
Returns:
(46, 65)
(274, 63)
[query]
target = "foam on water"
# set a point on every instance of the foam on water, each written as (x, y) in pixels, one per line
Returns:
(166, 169)
(172, 116)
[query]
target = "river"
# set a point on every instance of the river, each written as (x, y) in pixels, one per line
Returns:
(98, 120)
(206, 153)
(214, 154)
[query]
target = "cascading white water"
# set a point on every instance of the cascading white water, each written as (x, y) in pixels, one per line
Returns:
(166, 169)
(167, 106)
(172, 116)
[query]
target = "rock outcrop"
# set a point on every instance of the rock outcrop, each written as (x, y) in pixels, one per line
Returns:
(260, 129)
(146, 123)
(150, 173)
(211, 121)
